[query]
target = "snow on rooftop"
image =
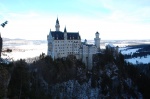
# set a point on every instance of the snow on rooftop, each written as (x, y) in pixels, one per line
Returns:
(109, 44)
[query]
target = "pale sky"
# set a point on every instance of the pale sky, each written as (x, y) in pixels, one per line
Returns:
(113, 19)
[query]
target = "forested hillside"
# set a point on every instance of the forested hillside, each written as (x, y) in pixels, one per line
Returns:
(139, 55)
(45, 78)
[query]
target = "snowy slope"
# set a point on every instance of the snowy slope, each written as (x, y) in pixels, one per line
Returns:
(134, 60)
(28, 51)
(138, 60)
(23, 49)
(129, 51)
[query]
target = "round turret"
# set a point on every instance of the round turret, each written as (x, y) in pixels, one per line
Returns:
(97, 35)
(97, 40)
(85, 41)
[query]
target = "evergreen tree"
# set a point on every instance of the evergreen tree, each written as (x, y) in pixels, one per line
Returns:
(19, 82)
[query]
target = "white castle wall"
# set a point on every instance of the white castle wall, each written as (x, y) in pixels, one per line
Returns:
(65, 47)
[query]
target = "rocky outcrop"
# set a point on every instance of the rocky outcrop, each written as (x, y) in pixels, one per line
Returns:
(72, 89)
(108, 84)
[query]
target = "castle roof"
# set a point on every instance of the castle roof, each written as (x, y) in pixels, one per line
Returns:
(97, 33)
(58, 35)
(110, 45)
(57, 21)
(65, 30)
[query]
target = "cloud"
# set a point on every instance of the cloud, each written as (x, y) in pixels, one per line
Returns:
(27, 26)
(23, 15)
(37, 26)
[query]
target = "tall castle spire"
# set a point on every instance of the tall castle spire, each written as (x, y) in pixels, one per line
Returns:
(57, 26)
(65, 30)
(57, 21)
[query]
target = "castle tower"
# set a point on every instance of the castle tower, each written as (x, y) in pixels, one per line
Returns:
(65, 33)
(57, 26)
(65, 42)
(85, 41)
(97, 40)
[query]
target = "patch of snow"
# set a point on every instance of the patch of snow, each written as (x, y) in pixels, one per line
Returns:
(109, 44)
(129, 51)
(144, 60)
(122, 44)
(6, 61)
(146, 42)
(123, 48)
(129, 82)
(108, 72)
(102, 47)
(29, 51)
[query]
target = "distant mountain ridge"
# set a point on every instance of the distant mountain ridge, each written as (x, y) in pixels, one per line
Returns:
(129, 42)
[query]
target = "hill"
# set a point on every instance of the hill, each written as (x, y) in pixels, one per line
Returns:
(110, 77)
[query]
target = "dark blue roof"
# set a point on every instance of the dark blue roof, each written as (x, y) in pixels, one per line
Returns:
(58, 35)
(97, 33)
(57, 21)
(65, 30)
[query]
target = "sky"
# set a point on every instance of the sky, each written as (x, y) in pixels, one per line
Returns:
(113, 19)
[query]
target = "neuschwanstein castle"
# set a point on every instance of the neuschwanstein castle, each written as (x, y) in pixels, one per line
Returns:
(61, 44)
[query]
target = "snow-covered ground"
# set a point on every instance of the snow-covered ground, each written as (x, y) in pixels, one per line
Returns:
(139, 60)
(25, 51)
(121, 45)
(128, 50)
